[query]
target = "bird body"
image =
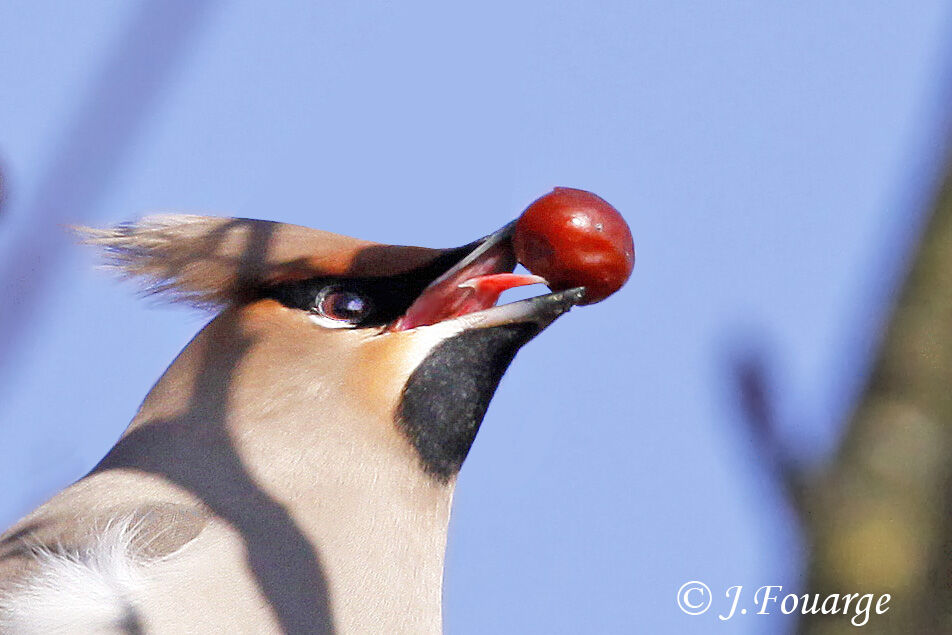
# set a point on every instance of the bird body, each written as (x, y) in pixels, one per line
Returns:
(293, 469)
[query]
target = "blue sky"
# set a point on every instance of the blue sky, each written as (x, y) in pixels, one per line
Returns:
(771, 160)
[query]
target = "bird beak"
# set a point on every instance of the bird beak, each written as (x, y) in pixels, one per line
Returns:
(469, 290)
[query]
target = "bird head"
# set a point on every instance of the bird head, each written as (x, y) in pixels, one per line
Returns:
(315, 326)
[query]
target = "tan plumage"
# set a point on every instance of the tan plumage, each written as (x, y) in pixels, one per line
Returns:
(211, 261)
(267, 482)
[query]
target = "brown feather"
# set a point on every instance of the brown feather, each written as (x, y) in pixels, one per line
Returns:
(210, 261)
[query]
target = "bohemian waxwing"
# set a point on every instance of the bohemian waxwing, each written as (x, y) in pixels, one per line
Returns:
(292, 470)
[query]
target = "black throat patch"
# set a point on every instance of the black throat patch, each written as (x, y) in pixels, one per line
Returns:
(446, 397)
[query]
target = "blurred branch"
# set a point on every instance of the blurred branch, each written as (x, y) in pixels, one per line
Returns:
(754, 392)
(94, 145)
(878, 518)
(3, 190)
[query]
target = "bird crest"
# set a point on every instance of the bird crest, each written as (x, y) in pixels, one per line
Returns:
(210, 262)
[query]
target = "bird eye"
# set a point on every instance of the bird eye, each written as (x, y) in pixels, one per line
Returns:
(341, 305)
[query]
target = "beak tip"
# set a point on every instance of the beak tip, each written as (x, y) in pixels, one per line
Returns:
(571, 297)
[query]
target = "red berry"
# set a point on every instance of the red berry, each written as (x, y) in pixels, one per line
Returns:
(573, 238)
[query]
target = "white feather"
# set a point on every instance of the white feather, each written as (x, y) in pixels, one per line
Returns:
(90, 590)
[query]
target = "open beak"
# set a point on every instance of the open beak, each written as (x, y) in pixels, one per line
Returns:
(470, 289)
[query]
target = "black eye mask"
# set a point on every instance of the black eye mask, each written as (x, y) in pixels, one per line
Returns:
(390, 296)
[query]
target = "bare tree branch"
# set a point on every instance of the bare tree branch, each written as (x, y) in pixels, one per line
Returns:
(879, 517)
(94, 145)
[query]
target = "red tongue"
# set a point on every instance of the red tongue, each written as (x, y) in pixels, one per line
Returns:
(488, 288)
(447, 301)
